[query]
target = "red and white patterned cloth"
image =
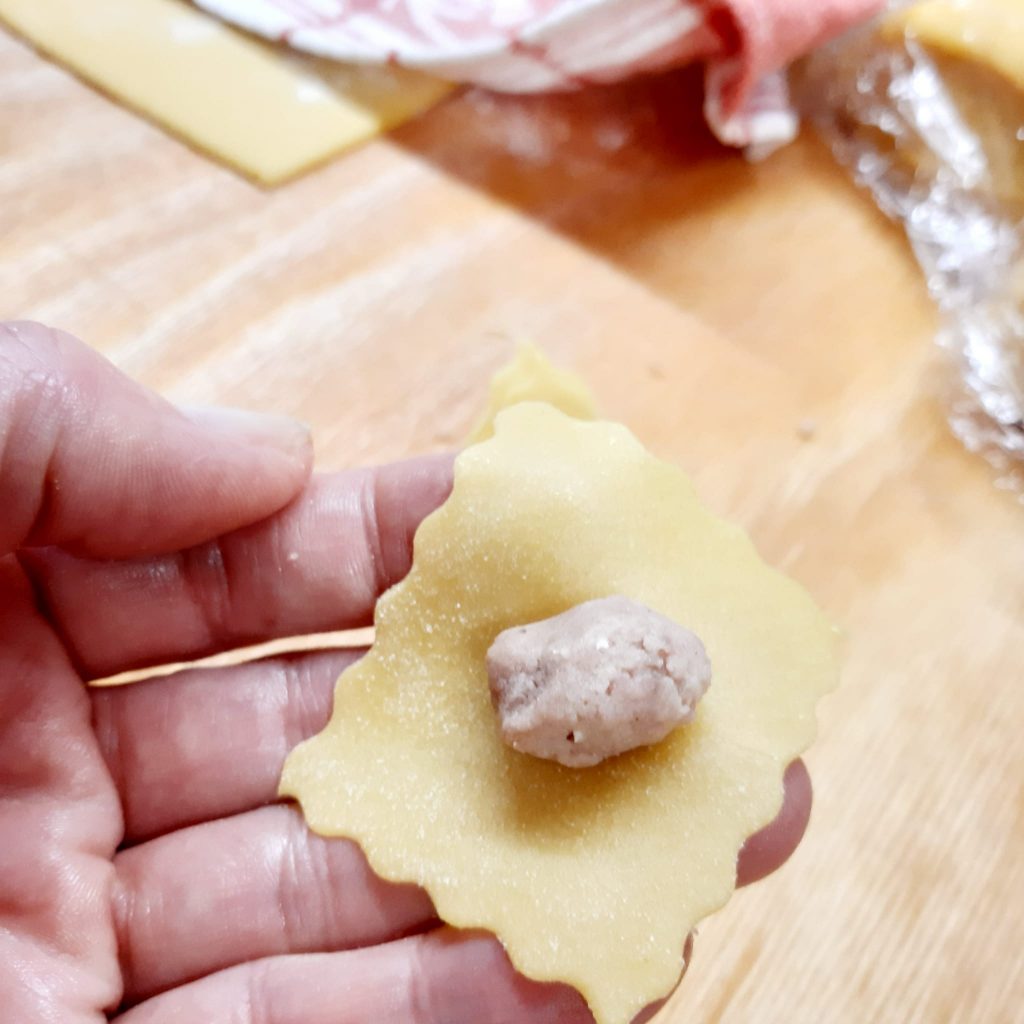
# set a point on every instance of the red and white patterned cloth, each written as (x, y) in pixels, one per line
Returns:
(543, 45)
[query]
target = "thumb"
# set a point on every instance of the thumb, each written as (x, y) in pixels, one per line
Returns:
(95, 463)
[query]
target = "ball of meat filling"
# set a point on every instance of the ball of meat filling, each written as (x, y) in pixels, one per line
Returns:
(597, 680)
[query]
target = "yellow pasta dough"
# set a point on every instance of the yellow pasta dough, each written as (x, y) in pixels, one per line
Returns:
(531, 377)
(591, 876)
(266, 111)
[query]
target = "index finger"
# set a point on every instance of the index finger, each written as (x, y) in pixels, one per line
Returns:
(318, 565)
(94, 462)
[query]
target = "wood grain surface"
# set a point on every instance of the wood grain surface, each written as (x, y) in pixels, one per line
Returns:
(760, 325)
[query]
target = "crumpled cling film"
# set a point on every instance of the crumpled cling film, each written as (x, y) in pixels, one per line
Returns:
(885, 105)
(544, 45)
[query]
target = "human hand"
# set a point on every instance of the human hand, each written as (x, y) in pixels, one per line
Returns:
(146, 871)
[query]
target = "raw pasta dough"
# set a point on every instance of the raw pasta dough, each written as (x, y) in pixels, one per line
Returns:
(266, 112)
(590, 876)
(532, 377)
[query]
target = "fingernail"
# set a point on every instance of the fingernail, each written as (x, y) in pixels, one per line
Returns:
(255, 428)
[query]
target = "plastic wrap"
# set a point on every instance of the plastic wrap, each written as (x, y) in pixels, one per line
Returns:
(910, 133)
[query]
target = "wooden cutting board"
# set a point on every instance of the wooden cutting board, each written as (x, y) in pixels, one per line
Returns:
(761, 325)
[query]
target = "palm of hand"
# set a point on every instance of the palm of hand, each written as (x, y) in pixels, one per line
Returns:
(145, 871)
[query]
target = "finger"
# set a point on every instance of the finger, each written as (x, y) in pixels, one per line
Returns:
(233, 905)
(444, 977)
(318, 565)
(95, 463)
(209, 743)
(212, 742)
(242, 888)
(766, 851)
